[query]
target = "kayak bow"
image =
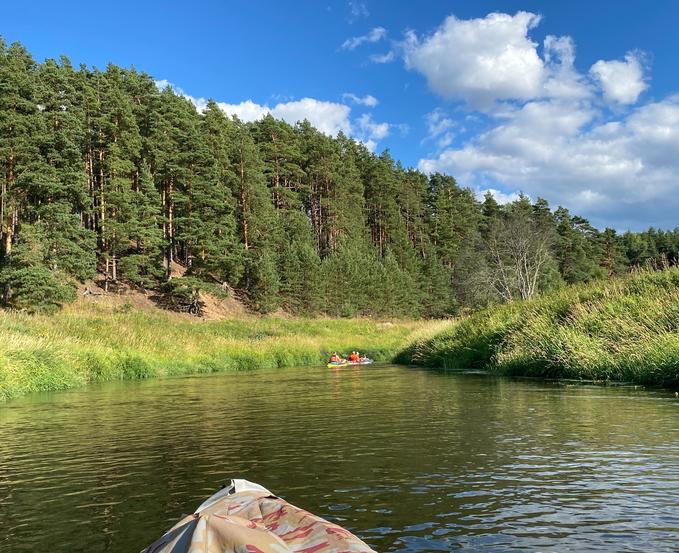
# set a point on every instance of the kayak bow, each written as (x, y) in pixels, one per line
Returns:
(247, 517)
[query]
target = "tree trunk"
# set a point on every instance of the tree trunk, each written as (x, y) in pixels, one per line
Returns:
(242, 198)
(3, 201)
(9, 220)
(170, 227)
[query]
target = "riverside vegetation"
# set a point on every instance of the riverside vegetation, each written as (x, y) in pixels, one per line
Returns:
(91, 343)
(625, 330)
(104, 176)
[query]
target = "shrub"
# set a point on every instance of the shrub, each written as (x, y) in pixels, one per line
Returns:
(35, 289)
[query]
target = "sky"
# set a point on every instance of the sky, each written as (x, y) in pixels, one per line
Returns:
(576, 102)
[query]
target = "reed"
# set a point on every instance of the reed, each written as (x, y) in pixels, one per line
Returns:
(625, 329)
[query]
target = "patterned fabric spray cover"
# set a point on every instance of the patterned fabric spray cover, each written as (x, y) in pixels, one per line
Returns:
(247, 518)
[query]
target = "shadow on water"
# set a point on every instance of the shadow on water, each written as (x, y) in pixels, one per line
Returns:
(410, 459)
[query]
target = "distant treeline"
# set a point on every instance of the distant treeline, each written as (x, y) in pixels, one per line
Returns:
(101, 172)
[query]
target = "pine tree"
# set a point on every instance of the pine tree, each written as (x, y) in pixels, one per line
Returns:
(20, 156)
(282, 157)
(613, 257)
(257, 223)
(576, 249)
(263, 280)
(213, 231)
(174, 127)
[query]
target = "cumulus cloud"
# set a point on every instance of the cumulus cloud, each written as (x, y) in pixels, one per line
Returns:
(500, 197)
(328, 117)
(375, 35)
(491, 60)
(368, 100)
(550, 132)
(561, 79)
(245, 111)
(616, 172)
(479, 60)
(377, 131)
(371, 132)
(621, 81)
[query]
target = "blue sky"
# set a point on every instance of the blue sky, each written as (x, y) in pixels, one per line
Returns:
(576, 102)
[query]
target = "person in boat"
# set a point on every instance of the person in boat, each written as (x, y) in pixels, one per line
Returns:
(334, 358)
(354, 357)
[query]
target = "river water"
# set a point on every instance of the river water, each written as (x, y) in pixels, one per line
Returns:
(410, 460)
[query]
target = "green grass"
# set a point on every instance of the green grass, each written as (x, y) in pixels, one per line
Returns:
(94, 343)
(621, 330)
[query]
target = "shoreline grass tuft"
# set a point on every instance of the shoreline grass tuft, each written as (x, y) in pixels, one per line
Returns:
(624, 330)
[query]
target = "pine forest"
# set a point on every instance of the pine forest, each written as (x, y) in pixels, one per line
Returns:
(104, 176)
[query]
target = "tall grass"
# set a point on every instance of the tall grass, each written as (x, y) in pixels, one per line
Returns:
(621, 330)
(91, 343)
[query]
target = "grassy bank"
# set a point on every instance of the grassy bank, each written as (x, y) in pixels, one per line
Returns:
(621, 330)
(94, 343)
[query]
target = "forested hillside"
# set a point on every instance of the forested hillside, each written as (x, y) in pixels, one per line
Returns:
(102, 173)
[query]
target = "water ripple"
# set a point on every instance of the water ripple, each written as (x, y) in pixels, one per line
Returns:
(411, 460)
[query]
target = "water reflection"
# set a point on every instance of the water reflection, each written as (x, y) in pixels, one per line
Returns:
(410, 460)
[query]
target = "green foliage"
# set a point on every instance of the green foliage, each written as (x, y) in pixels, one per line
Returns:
(31, 278)
(35, 289)
(65, 350)
(183, 288)
(262, 281)
(135, 184)
(622, 330)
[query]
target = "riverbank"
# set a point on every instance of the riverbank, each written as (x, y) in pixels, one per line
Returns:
(620, 330)
(87, 343)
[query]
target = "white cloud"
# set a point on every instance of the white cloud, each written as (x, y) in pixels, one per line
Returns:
(500, 197)
(367, 100)
(548, 132)
(383, 58)
(621, 81)
(370, 132)
(245, 111)
(328, 117)
(479, 60)
(377, 131)
(492, 60)
(375, 35)
(621, 173)
(440, 126)
(559, 50)
(561, 80)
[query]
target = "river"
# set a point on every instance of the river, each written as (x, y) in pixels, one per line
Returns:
(410, 460)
